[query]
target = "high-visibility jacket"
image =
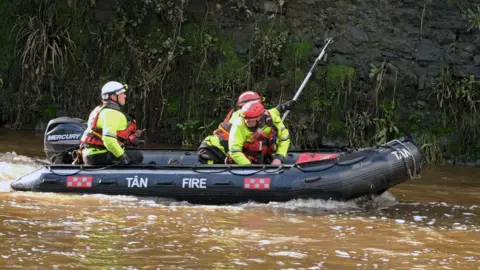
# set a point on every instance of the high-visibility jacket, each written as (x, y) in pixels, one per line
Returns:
(109, 128)
(271, 137)
(223, 129)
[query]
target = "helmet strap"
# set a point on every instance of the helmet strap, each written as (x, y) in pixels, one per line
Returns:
(111, 100)
(263, 120)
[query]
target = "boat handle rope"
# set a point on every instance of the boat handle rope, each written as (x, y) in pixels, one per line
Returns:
(409, 171)
(230, 170)
(413, 158)
(278, 170)
(194, 169)
(314, 170)
(263, 169)
(82, 168)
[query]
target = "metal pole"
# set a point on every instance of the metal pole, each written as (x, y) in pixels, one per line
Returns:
(328, 41)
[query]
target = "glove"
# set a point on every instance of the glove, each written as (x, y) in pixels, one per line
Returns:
(124, 159)
(134, 141)
(137, 142)
(276, 162)
(287, 106)
(139, 132)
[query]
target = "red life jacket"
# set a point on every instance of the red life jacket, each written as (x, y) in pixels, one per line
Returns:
(223, 129)
(93, 136)
(261, 145)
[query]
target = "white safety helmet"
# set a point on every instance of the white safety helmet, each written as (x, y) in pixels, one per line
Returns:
(113, 88)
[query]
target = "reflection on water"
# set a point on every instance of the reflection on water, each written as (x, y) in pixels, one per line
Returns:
(427, 223)
(26, 143)
(120, 231)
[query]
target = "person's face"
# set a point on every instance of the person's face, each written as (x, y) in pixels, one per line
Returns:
(121, 99)
(252, 122)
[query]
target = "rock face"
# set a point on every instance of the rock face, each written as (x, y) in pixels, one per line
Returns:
(418, 37)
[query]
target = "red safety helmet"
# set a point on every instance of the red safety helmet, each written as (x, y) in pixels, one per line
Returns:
(253, 109)
(248, 96)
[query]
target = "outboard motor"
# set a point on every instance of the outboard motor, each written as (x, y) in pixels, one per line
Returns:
(62, 137)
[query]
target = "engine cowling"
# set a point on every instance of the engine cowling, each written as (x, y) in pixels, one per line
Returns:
(62, 137)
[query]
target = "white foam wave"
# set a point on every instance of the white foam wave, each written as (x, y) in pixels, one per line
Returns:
(13, 166)
(316, 205)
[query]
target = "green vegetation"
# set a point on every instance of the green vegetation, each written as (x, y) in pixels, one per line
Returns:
(184, 75)
(459, 102)
(474, 18)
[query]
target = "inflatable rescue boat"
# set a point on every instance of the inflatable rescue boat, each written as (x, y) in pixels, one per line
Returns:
(178, 174)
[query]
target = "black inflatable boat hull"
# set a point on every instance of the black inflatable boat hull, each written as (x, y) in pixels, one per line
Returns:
(367, 172)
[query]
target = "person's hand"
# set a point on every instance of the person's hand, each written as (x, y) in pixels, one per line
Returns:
(276, 162)
(137, 142)
(287, 106)
(124, 159)
(138, 132)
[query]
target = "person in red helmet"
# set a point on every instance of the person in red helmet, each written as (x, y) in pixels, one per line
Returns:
(223, 129)
(258, 136)
(214, 148)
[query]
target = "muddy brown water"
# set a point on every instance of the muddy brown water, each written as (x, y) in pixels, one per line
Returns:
(427, 223)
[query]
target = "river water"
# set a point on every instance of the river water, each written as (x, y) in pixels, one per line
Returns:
(427, 223)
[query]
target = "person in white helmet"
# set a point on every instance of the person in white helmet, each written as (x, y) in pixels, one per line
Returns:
(110, 130)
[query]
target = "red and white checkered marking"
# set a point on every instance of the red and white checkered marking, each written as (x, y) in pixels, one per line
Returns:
(80, 181)
(256, 183)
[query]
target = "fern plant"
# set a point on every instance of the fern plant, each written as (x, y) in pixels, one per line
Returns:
(474, 18)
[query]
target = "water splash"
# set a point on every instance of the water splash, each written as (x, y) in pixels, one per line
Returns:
(317, 205)
(13, 166)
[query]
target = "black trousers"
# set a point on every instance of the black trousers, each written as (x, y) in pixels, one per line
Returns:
(207, 153)
(135, 155)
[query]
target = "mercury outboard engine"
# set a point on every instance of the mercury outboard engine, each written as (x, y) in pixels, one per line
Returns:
(62, 137)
